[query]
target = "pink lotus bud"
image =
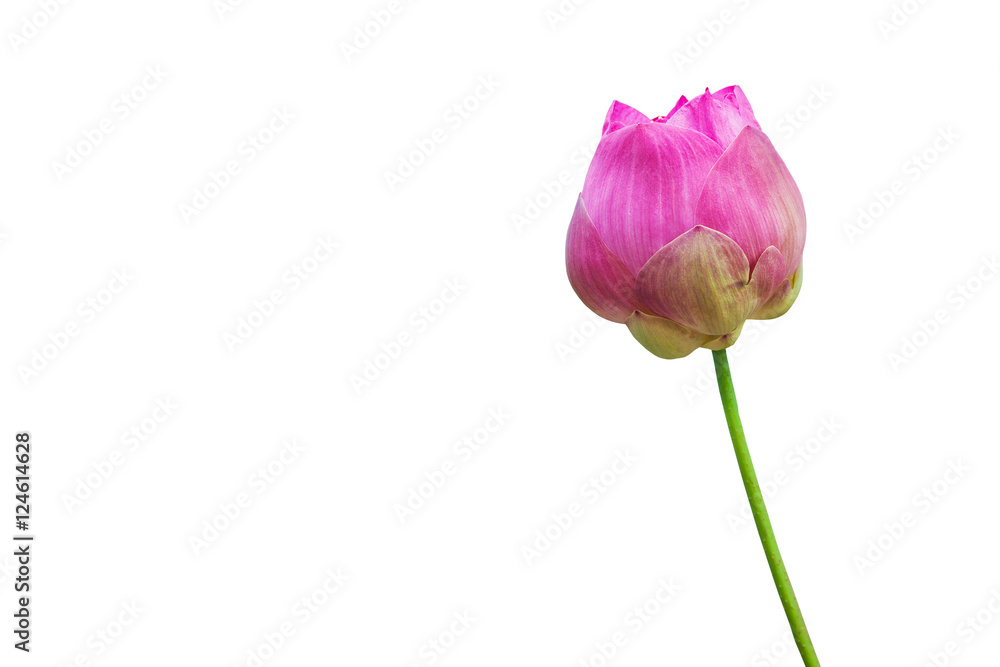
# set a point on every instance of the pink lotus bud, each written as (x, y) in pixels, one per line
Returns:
(688, 225)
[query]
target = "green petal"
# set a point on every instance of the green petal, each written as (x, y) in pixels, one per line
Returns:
(702, 280)
(722, 342)
(665, 339)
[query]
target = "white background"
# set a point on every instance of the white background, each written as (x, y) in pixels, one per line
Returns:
(868, 100)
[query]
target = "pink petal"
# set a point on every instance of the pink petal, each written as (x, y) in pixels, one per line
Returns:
(734, 96)
(665, 339)
(720, 115)
(750, 197)
(643, 186)
(622, 115)
(766, 276)
(702, 280)
(599, 278)
(782, 298)
(663, 119)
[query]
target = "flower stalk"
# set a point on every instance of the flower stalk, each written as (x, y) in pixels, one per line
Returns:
(760, 517)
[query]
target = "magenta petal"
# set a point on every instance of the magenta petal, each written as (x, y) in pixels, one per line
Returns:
(720, 115)
(622, 115)
(643, 186)
(599, 278)
(702, 280)
(663, 119)
(750, 197)
(733, 96)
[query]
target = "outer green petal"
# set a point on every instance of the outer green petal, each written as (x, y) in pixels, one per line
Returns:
(665, 339)
(782, 299)
(722, 342)
(702, 280)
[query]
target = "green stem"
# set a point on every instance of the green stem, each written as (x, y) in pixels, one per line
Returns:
(770, 544)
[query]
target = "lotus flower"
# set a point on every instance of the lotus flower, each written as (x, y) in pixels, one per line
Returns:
(688, 225)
